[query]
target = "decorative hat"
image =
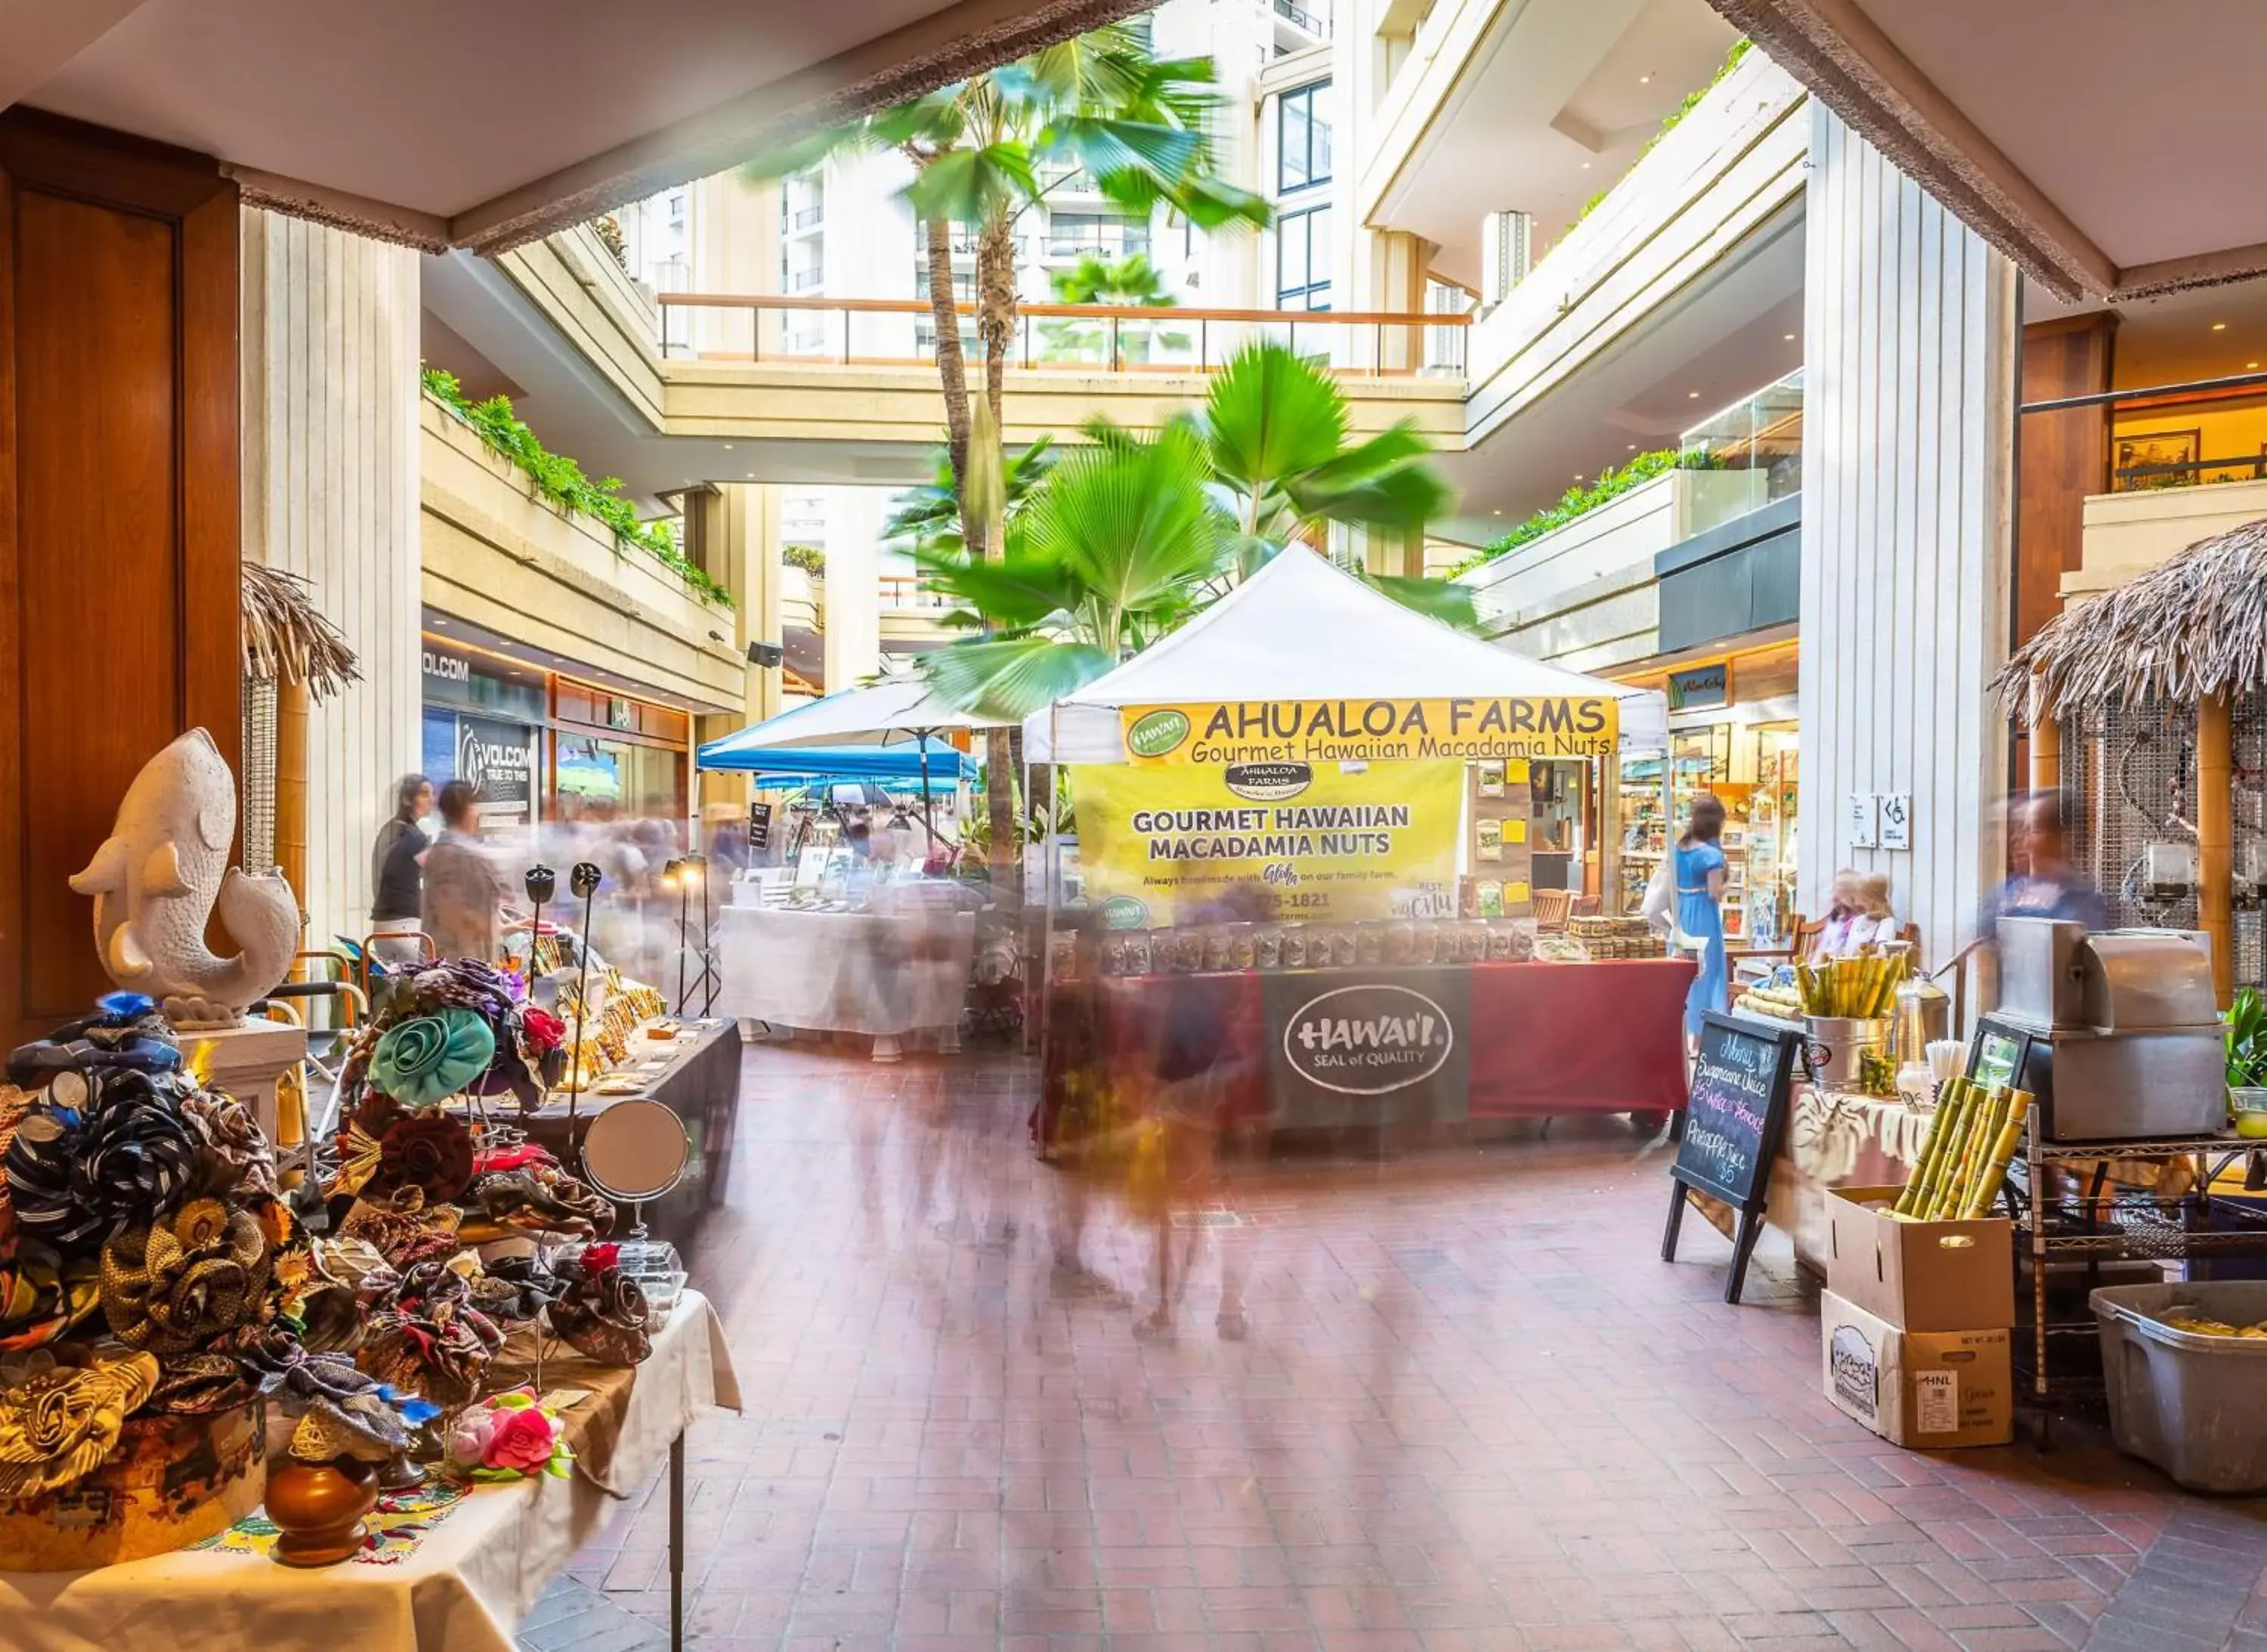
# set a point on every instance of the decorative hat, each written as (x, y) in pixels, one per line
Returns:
(234, 1158)
(58, 1428)
(430, 1340)
(99, 1156)
(430, 1151)
(173, 1287)
(602, 1315)
(126, 1031)
(429, 1058)
(543, 1198)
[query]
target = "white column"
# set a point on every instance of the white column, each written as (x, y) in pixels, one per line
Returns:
(1909, 353)
(330, 493)
(854, 592)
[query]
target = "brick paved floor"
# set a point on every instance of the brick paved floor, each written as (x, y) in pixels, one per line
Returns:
(1474, 1410)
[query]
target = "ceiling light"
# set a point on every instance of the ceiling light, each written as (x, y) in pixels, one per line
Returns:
(1645, 80)
(1789, 337)
(728, 447)
(1585, 166)
(2251, 367)
(1499, 513)
(2220, 327)
(1692, 395)
(1633, 447)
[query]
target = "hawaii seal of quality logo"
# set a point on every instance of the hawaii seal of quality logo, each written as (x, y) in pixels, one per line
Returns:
(1369, 1041)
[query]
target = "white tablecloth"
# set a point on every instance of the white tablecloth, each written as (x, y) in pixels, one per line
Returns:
(465, 1589)
(885, 973)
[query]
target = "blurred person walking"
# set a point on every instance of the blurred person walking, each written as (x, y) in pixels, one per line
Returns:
(397, 862)
(2042, 882)
(464, 893)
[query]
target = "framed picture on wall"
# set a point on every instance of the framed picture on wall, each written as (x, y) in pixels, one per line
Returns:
(2146, 460)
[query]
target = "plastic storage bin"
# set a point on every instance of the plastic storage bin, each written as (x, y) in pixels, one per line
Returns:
(2192, 1403)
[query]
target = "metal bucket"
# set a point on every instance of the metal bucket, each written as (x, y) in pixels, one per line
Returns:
(1835, 1043)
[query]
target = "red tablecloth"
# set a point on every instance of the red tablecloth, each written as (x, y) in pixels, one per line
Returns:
(1544, 1038)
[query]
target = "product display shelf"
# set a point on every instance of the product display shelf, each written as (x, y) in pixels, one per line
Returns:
(2103, 1221)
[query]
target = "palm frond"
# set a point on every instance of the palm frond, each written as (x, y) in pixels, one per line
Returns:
(1012, 676)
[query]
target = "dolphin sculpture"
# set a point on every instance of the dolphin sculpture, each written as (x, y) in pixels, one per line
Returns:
(161, 874)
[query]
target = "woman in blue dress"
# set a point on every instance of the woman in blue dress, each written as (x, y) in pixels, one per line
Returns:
(1699, 871)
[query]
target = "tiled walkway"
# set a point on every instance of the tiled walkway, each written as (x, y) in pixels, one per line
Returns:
(1474, 1410)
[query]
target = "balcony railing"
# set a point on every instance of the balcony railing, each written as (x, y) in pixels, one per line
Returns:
(901, 591)
(804, 279)
(805, 217)
(1066, 337)
(1299, 16)
(1745, 456)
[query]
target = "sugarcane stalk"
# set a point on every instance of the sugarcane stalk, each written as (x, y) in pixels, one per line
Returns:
(1932, 1154)
(1993, 1170)
(1948, 1173)
(1980, 1139)
(1952, 1115)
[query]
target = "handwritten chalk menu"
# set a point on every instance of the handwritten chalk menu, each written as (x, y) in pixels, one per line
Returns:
(1732, 1129)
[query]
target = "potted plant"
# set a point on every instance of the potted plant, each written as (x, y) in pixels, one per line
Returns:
(2247, 1064)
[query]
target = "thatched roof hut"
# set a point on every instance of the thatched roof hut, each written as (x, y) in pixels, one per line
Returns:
(286, 640)
(2193, 625)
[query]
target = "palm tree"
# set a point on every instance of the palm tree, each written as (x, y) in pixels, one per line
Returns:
(928, 518)
(1131, 282)
(1274, 432)
(1113, 551)
(987, 150)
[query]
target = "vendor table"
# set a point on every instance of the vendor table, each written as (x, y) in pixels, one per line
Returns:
(886, 974)
(467, 1582)
(1839, 1139)
(1543, 1039)
(697, 1078)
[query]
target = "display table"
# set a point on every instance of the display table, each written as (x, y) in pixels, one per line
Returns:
(698, 1079)
(885, 973)
(467, 1582)
(1836, 1139)
(1540, 1038)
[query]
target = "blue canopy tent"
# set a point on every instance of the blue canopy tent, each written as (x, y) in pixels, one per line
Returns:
(925, 756)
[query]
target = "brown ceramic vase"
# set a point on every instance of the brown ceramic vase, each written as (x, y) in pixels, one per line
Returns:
(318, 1508)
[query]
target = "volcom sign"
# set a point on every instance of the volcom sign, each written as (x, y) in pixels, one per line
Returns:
(1369, 1040)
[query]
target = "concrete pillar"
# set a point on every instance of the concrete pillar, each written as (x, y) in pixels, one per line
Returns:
(853, 596)
(330, 443)
(1398, 263)
(742, 554)
(1908, 425)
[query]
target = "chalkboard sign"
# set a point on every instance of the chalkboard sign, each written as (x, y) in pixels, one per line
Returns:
(1732, 1129)
(759, 825)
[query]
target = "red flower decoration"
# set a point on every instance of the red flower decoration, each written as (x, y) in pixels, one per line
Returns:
(596, 1258)
(543, 1031)
(523, 1440)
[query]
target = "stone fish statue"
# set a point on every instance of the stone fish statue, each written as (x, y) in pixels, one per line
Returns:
(157, 878)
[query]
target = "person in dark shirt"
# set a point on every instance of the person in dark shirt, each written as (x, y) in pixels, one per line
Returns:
(397, 862)
(2043, 883)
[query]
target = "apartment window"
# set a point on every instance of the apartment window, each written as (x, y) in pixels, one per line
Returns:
(1302, 133)
(1095, 235)
(1303, 260)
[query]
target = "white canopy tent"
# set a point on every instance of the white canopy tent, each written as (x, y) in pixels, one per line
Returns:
(1302, 629)
(865, 717)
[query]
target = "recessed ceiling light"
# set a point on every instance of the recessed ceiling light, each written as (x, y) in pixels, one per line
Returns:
(1499, 513)
(2251, 367)
(2220, 327)
(1789, 337)
(1585, 166)
(1633, 447)
(728, 447)
(1692, 395)
(1578, 475)
(1645, 80)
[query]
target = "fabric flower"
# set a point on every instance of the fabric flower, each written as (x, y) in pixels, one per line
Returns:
(173, 1287)
(523, 1440)
(78, 1178)
(602, 1317)
(202, 1384)
(44, 1295)
(596, 1258)
(430, 1151)
(543, 1031)
(57, 1428)
(429, 1058)
(430, 1340)
(234, 1159)
(468, 1441)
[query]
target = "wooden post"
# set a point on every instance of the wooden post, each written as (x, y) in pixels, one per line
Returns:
(291, 790)
(2215, 830)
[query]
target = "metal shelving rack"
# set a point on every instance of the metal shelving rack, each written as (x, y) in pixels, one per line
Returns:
(2105, 1222)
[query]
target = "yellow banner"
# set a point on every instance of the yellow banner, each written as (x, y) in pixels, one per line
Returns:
(1332, 846)
(1213, 733)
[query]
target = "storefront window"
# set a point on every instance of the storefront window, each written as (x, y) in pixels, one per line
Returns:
(600, 779)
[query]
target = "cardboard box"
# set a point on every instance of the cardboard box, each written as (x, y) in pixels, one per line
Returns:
(1926, 1390)
(1919, 1275)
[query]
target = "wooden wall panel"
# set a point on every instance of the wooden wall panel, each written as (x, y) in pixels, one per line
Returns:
(119, 594)
(2061, 458)
(1907, 424)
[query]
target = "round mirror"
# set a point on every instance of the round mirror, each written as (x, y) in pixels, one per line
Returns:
(634, 1151)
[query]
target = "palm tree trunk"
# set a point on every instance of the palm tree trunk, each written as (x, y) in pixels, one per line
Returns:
(951, 362)
(995, 303)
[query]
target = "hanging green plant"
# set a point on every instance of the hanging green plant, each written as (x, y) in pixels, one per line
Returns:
(561, 480)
